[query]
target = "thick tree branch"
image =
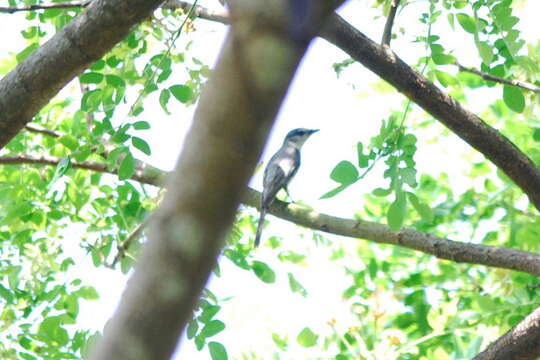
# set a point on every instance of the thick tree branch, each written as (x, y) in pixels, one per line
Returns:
(491, 143)
(231, 122)
(521, 84)
(441, 248)
(520, 343)
(27, 88)
(387, 34)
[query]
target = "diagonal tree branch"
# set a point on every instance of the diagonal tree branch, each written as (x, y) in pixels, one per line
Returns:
(472, 129)
(387, 34)
(521, 84)
(39, 77)
(441, 248)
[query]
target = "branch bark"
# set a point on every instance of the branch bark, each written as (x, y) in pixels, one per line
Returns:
(27, 88)
(520, 343)
(439, 247)
(233, 119)
(387, 34)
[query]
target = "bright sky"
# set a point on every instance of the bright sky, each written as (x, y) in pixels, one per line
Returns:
(317, 99)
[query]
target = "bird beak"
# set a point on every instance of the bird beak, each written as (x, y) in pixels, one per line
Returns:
(313, 131)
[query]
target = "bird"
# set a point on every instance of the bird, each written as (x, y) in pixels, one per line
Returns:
(280, 170)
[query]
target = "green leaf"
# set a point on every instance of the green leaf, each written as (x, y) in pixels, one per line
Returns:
(536, 134)
(69, 141)
(445, 78)
(217, 351)
(513, 98)
(344, 173)
(381, 192)
(485, 51)
(307, 338)
(127, 167)
(335, 191)
(27, 51)
(164, 97)
(296, 286)
(264, 272)
(61, 169)
(396, 212)
(467, 23)
(443, 59)
(192, 328)
(91, 78)
(421, 208)
(88, 293)
(141, 145)
(208, 313)
(281, 342)
(408, 175)
(141, 125)
(115, 81)
(182, 93)
(212, 328)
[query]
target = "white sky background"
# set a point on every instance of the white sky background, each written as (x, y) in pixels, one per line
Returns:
(317, 99)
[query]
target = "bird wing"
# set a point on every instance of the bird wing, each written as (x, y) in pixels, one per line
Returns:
(279, 172)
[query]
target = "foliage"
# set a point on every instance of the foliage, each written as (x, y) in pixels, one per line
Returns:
(403, 305)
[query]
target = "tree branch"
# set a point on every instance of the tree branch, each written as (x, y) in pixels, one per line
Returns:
(472, 129)
(144, 173)
(521, 84)
(441, 248)
(387, 34)
(38, 129)
(520, 343)
(67, 5)
(39, 77)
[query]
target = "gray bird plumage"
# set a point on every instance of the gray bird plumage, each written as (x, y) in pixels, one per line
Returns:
(280, 170)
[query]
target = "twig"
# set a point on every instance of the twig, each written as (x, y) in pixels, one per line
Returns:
(67, 5)
(489, 77)
(41, 130)
(124, 245)
(387, 34)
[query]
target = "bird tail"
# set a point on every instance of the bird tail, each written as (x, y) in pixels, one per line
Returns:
(260, 227)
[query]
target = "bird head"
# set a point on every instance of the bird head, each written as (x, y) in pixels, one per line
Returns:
(298, 137)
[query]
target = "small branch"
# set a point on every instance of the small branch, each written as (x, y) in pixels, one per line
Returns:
(387, 34)
(145, 174)
(441, 248)
(41, 130)
(521, 342)
(489, 77)
(124, 245)
(68, 5)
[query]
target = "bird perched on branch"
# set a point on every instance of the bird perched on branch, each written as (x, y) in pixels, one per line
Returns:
(280, 170)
